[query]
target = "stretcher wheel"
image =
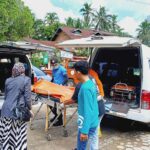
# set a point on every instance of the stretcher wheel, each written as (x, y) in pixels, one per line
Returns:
(49, 137)
(65, 133)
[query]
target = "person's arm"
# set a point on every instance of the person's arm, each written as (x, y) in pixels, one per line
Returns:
(65, 79)
(27, 93)
(64, 73)
(98, 81)
(74, 98)
(100, 86)
(69, 102)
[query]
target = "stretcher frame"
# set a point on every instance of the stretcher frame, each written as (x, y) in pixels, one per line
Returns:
(48, 124)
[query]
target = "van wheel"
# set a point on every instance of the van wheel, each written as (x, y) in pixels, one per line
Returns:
(70, 83)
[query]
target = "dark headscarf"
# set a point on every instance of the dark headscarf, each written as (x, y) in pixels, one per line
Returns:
(18, 69)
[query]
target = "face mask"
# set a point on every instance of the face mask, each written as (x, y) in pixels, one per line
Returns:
(55, 67)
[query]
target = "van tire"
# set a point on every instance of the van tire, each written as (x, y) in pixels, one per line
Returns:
(70, 83)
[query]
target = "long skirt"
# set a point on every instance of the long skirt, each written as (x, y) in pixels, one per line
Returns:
(13, 134)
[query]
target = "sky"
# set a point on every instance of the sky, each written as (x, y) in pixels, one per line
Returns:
(130, 12)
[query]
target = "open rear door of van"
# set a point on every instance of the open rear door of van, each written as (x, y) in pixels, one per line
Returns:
(101, 41)
(23, 47)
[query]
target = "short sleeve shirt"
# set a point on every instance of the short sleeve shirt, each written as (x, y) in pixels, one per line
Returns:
(59, 75)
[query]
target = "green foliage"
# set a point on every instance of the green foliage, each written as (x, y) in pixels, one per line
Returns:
(97, 19)
(51, 29)
(102, 20)
(70, 22)
(51, 18)
(37, 59)
(44, 30)
(144, 32)
(87, 12)
(39, 29)
(75, 23)
(16, 20)
(83, 52)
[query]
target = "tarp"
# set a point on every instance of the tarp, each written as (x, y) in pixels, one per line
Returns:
(43, 87)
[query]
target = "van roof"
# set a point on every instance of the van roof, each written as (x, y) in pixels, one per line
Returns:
(101, 41)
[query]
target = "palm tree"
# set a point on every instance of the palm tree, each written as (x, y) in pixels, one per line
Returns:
(120, 32)
(144, 32)
(86, 12)
(51, 18)
(114, 25)
(78, 23)
(102, 19)
(70, 22)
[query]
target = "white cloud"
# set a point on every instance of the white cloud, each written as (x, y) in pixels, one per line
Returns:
(41, 7)
(130, 13)
(96, 3)
(129, 25)
(138, 9)
(76, 1)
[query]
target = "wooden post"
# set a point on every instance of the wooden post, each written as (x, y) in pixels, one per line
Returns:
(64, 122)
(47, 118)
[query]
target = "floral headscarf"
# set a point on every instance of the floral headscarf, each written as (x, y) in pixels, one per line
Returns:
(18, 69)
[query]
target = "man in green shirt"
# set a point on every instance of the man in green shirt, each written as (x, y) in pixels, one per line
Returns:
(87, 109)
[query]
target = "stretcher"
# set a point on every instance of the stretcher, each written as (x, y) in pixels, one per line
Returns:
(47, 93)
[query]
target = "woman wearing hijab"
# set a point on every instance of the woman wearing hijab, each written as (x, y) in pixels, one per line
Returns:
(13, 132)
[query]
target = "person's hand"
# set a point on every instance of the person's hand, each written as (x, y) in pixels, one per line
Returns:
(104, 100)
(99, 97)
(62, 105)
(83, 137)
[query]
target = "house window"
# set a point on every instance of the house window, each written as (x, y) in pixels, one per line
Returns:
(97, 34)
(77, 32)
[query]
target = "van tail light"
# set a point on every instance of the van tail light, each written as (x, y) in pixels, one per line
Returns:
(35, 79)
(145, 99)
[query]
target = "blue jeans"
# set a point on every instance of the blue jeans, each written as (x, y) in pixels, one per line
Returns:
(92, 140)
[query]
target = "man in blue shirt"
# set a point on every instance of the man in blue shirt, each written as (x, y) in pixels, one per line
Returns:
(59, 76)
(87, 109)
(59, 73)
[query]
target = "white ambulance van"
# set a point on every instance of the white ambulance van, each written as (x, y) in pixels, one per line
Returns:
(123, 66)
